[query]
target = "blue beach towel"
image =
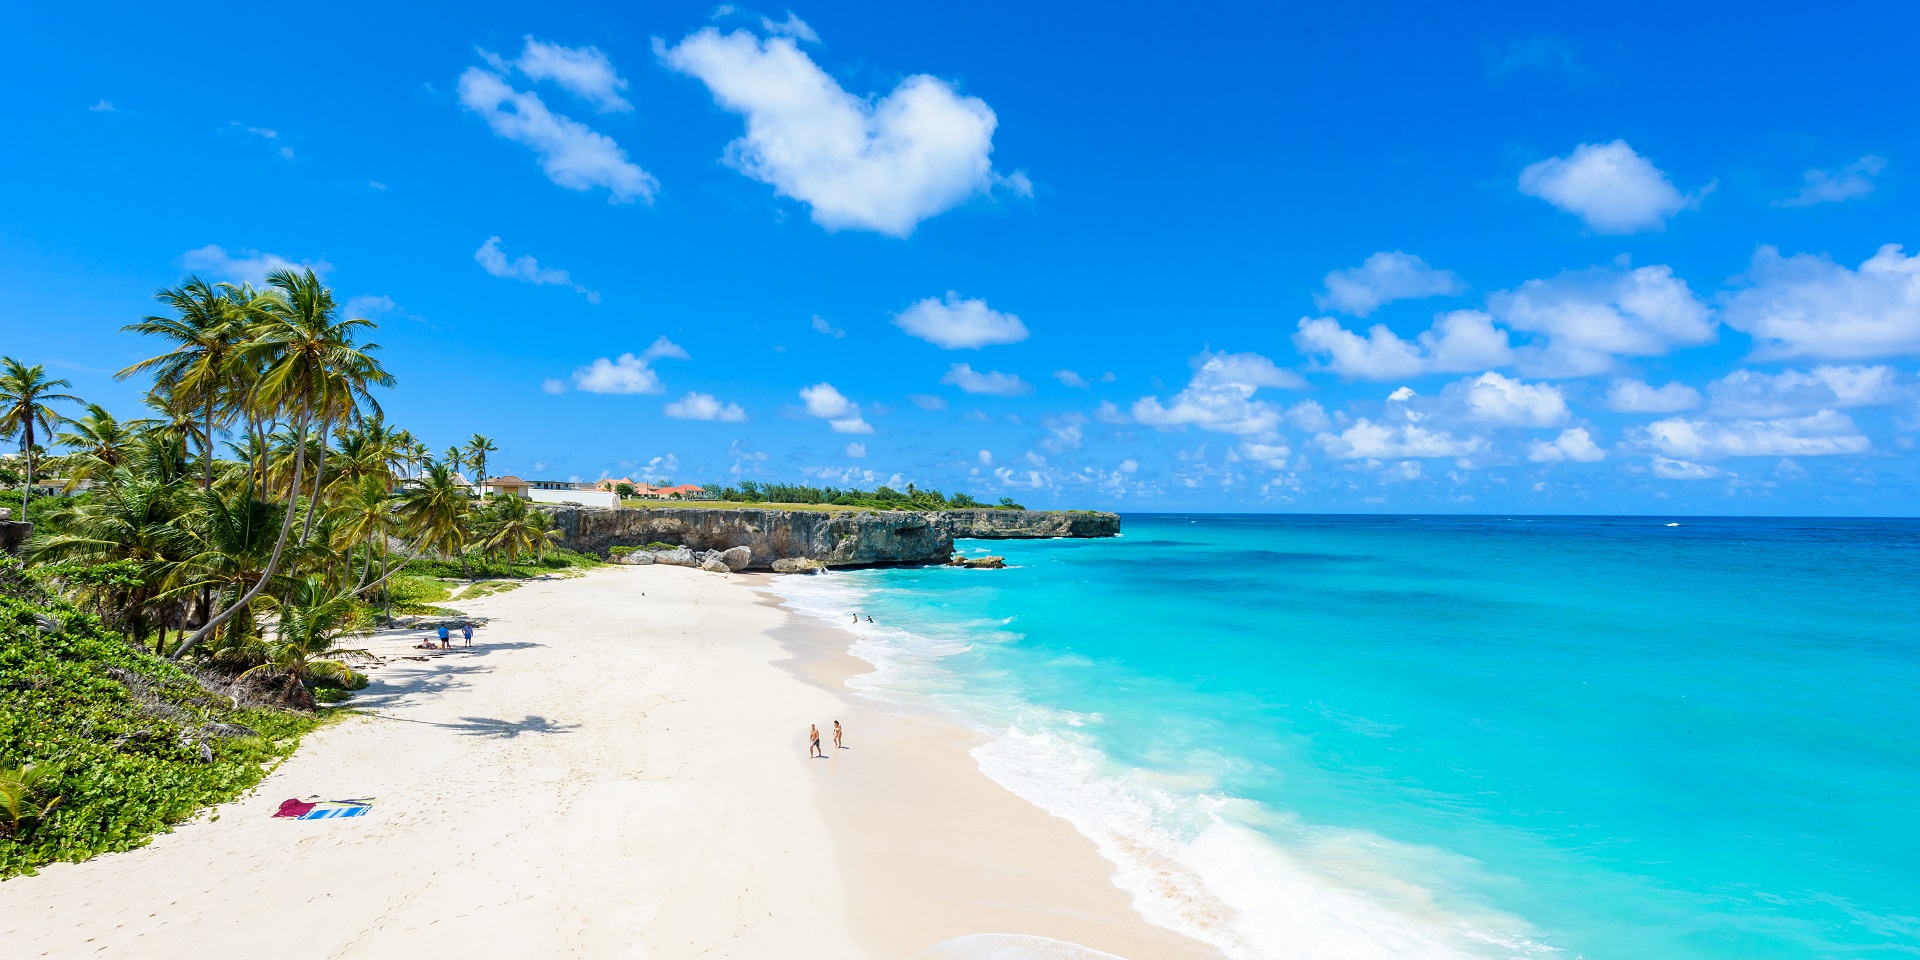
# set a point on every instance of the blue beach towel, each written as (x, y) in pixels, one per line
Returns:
(335, 809)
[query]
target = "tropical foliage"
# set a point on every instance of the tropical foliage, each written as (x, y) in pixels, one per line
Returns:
(879, 498)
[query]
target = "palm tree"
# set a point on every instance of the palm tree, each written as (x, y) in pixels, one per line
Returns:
(310, 367)
(514, 528)
(303, 647)
(476, 452)
(99, 444)
(224, 549)
(208, 329)
(435, 513)
(133, 519)
(24, 394)
(365, 517)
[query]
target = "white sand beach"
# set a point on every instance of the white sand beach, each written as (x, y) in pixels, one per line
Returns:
(619, 769)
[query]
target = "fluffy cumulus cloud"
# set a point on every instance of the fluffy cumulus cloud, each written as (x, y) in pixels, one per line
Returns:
(1850, 182)
(1383, 278)
(828, 404)
(1573, 444)
(1608, 186)
(1589, 317)
(703, 406)
(493, 259)
(1220, 396)
(1808, 306)
(1495, 399)
(1371, 440)
(1827, 432)
(989, 382)
(584, 72)
(572, 154)
(1458, 342)
(1638, 396)
(882, 165)
(627, 373)
(243, 266)
(955, 324)
(1745, 393)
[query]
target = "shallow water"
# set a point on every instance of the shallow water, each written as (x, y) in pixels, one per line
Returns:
(1445, 737)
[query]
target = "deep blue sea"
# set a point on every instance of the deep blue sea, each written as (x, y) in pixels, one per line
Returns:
(1354, 737)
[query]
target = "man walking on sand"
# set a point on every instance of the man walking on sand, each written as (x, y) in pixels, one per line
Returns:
(837, 745)
(813, 734)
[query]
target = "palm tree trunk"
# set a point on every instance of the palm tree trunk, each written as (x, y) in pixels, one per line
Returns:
(207, 436)
(319, 473)
(26, 495)
(273, 562)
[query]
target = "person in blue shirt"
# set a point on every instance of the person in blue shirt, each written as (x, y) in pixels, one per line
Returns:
(466, 632)
(444, 645)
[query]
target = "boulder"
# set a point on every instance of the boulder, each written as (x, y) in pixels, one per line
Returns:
(978, 563)
(639, 558)
(713, 564)
(678, 557)
(737, 558)
(798, 565)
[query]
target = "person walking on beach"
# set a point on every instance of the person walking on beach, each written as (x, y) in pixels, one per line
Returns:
(813, 734)
(466, 631)
(444, 645)
(837, 745)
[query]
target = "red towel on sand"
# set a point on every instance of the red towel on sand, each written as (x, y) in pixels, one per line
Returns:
(293, 808)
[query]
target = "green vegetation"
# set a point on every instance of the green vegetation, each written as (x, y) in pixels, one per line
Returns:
(789, 496)
(103, 744)
(179, 619)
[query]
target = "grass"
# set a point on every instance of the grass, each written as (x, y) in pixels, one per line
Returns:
(733, 505)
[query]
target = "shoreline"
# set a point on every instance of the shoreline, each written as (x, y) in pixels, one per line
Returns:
(617, 769)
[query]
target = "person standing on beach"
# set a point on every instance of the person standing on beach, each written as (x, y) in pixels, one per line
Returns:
(444, 645)
(466, 631)
(837, 745)
(813, 734)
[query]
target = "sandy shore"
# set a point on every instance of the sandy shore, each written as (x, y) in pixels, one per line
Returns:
(617, 769)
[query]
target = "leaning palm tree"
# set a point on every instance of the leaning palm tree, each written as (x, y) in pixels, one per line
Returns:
(24, 394)
(304, 646)
(476, 453)
(310, 367)
(365, 517)
(514, 528)
(134, 519)
(435, 513)
(210, 325)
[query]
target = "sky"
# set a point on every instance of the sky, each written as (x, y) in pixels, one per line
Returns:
(1474, 258)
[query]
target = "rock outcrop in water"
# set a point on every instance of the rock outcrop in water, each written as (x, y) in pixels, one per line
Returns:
(852, 538)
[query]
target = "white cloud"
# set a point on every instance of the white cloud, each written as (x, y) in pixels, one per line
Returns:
(1591, 316)
(860, 164)
(1573, 444)
(1106, 412)
(1366, 439)
(1670, 469)
(1637, 396)
(703, 406)
(820, 325)
(928, 401)
(1824, 433)
(1458, 342)
(1273, 456)
(1834, 186)
(572, 154)
(1071, 379)
(955, 324)
(526, 269)
(244, 266)
(856, 450)
(792, 26)
(828, 404)
(1492, 398)
(103, 106)
(993, 383)
(1383, 278)
(627, 373)
(1309, 415)
(986, 458)
(1744, 393)
(1807, 306)
(584, 72)
(1609, 186)
(1220, 396)
(1064, 432)
(553, 386)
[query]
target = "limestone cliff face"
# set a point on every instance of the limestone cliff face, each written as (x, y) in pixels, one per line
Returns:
(1032, 524)
(14, 535)
(883, 538)
(848, 539)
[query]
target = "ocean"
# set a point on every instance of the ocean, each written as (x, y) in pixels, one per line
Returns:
(1355, 737)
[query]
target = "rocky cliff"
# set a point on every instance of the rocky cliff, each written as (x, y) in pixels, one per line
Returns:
(14, 535)
(1032, 524)
(842, 539)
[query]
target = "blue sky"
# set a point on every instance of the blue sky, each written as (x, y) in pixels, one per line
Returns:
(1492, 259)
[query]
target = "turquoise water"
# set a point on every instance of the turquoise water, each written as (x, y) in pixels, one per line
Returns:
(1450, 737)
